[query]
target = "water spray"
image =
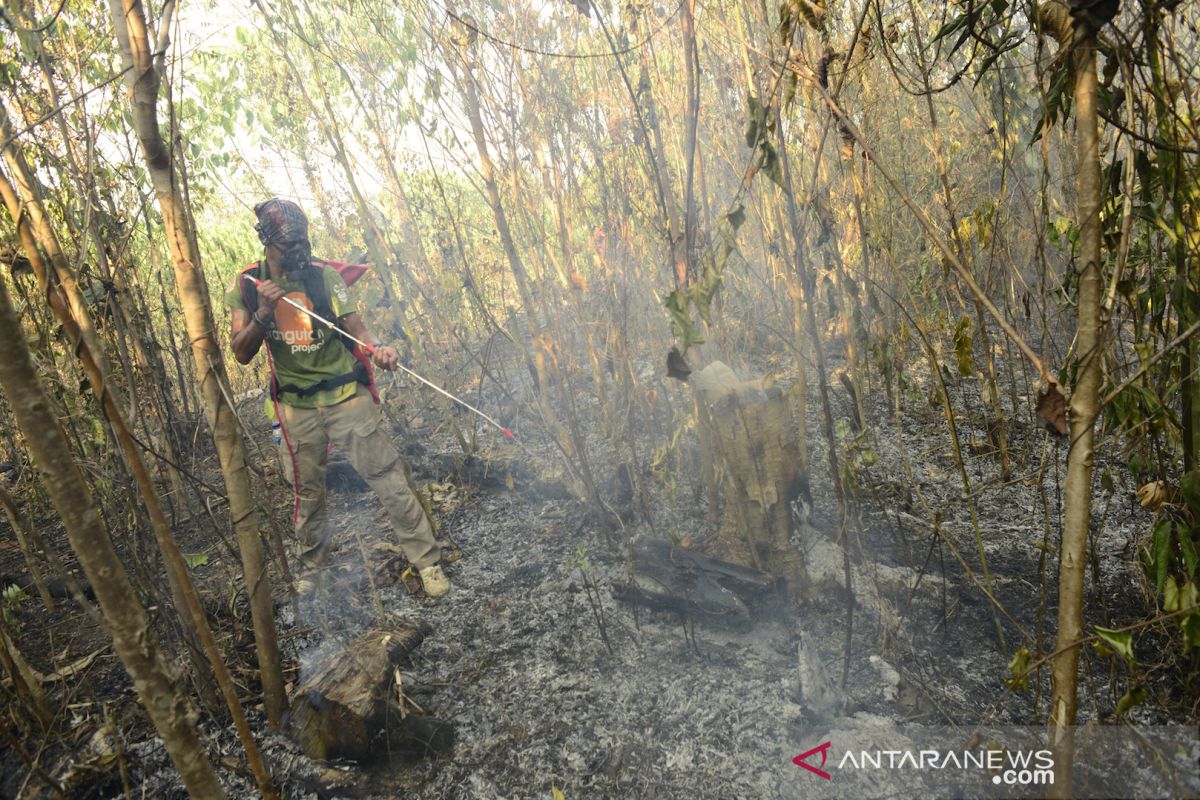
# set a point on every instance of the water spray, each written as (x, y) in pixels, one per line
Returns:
(370, 350)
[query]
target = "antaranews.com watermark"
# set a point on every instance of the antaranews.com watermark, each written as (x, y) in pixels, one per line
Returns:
(870, 758)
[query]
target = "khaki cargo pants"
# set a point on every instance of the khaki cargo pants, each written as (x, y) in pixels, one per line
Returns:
(356, 429)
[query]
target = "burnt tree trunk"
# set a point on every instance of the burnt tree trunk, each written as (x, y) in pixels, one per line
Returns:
(345, 709)
(751, 441)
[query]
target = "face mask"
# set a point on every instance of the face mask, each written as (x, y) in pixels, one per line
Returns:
(296, 255)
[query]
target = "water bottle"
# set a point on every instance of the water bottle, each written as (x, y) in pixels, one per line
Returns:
(276, 433)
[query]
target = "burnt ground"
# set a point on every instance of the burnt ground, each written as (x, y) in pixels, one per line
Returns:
(551, 682)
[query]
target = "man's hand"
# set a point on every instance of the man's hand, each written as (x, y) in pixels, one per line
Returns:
(386, 357)
(269, 295)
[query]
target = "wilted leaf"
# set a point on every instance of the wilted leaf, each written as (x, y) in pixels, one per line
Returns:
(736, 217)
(1133, 697)
(771, 165)
(1052, 410)
(685, 329)
(963, 346)
(1156, 494)
(1120, 641)
(756, 121)
(1016, 668)
(677, 366)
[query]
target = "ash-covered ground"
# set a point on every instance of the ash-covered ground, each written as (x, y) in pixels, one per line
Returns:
(552, 683)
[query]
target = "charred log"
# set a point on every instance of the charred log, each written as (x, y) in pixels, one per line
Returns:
(347, 708)
(687, 582)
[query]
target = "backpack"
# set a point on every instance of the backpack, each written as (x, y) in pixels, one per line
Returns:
(314, 287)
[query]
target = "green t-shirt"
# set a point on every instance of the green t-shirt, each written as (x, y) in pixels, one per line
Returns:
(305, 352)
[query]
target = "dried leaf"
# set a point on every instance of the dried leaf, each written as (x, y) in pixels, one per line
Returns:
(1156, 494)
(72, 669)
(1052, 410)
(677, 366)
(1134, 696)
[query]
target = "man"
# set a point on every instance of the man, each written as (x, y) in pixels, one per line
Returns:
(322, 391)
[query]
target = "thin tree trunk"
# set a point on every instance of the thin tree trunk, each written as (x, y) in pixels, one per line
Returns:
(35, 231)
(1084, 406)
(143, 81)
(132, 638)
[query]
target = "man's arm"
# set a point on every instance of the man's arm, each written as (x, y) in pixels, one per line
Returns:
(248, 330)
(384, 357)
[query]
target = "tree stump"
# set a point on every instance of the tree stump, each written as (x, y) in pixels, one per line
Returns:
(749, 439)
(346, 709)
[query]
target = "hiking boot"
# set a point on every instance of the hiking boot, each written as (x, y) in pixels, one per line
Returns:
(435, 581)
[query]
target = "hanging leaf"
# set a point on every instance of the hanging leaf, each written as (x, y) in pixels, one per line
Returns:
(1189, 486)
(1052, 410)
(1160, 549)
(1120, 641)
(1170, 595)
(1017, 667)
(1135, 696)
(677, 366)
(1185, 536)
(756, 121)
(737, 217)
(963, 346)
(771, 166)
(685, 329)
(1191, 631)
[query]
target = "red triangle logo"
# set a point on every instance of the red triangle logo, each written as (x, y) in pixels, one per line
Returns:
(801, 760)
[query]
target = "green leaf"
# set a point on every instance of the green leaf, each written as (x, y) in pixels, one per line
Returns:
(1191, 631)
(1170, 595)
(1189, 486)
(771, 166)
(1016, 668)
(1136, 695)
(1119, 641)
(963, 346)
(1189, 595)
(756, 121)
(1161, 550)
(195, 560)
(685, 329)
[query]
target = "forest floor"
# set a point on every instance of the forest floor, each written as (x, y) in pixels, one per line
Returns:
(550, 684)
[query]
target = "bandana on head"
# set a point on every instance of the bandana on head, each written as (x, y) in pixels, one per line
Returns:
(280, 221)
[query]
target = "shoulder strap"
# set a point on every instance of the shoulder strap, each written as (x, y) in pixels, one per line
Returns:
(249, 295)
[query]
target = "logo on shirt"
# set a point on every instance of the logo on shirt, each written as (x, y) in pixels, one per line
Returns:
(295, 328)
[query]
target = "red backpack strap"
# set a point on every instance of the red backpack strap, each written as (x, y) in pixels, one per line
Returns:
(361, 356)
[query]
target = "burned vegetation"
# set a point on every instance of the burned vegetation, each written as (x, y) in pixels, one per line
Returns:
(627, 400)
